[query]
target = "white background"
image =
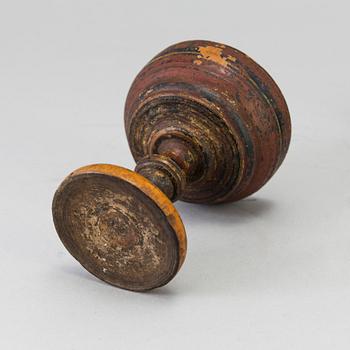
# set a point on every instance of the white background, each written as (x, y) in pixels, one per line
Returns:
(270, 272)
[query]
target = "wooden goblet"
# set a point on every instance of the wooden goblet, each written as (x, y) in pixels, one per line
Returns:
(205, 124)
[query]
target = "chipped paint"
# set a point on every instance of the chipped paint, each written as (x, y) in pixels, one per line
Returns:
(231, 58)
(214, 54)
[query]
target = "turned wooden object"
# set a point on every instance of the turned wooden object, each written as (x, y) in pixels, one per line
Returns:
(205, 124)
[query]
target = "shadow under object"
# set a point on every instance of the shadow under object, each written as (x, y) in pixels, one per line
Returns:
(205, 124)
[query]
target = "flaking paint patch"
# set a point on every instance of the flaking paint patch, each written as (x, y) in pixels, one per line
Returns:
(231, 58)
(213, 54)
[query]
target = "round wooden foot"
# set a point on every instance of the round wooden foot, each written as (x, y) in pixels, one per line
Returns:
(120, 227)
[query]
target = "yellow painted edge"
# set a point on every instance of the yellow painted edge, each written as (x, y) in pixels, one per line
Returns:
(153, 192)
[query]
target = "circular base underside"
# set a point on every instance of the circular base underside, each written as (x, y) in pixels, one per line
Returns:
(120, 227)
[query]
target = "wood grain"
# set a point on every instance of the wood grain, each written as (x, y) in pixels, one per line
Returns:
(120, 227)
